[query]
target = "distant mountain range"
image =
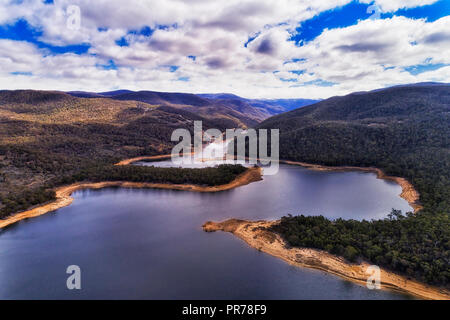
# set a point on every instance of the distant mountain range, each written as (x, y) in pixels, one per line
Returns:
(233, 110)
(50, 138)
(48, 135)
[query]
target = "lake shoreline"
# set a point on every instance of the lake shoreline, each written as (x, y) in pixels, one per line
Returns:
(63, 194)
(254, 233)
(409, 193)
(136, 159)
(314, 258)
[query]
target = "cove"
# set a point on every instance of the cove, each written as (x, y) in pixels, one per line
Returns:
(148, 243)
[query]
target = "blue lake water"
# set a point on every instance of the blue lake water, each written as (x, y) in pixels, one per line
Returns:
(148, 243)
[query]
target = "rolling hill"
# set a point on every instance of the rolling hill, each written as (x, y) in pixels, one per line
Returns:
(405, 131)
(47, 136)
(230, 110)
(274, 106)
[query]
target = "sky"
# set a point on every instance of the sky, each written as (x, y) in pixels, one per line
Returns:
(252, 48)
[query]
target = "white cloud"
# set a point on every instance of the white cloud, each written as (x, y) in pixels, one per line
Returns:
(368, 55)
(394, 5)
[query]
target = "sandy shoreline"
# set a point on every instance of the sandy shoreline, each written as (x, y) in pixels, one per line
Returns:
(63, 194)
(262, 240)
(255, 235)
(409, 193)
(131, 160)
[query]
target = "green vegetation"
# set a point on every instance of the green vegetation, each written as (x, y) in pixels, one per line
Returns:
(226, 110)
(213, 176)
(405, 132)
(414, 245)
(51, 138)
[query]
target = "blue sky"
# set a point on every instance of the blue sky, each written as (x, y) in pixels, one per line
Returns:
(251, 48)
(355, 11)
(21, 30)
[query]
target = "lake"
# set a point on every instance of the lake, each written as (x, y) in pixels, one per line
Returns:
(149, 244)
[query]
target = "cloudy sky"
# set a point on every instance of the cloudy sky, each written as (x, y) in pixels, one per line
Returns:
(253, 48)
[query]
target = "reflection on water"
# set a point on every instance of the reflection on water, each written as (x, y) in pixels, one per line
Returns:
(189, 163)
(143, 243)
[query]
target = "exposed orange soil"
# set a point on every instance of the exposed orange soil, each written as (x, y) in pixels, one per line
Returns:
(131, 160)
(255, 234)
(408, 192)
(63, 194)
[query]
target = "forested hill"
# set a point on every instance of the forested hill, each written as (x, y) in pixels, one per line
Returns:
(48, 136)
(405, 131)
(394, 103)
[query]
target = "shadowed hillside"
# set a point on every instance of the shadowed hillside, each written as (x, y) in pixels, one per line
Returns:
(405, 132)
(47, 138)
(228, 109)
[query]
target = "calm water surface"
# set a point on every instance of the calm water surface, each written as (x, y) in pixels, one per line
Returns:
(148, 244)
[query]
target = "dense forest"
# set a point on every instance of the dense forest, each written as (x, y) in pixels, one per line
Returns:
(416, 245)
(229, 109)
(405, 132)
(212, 176)
(52, 138)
